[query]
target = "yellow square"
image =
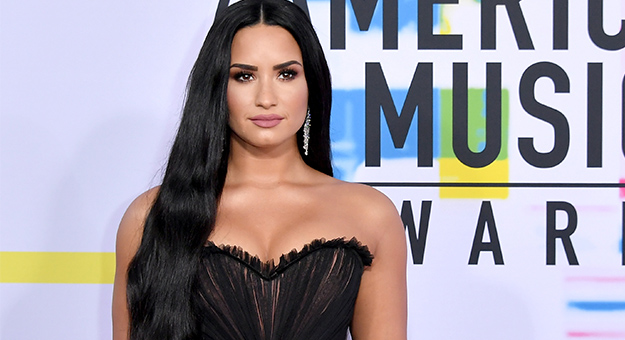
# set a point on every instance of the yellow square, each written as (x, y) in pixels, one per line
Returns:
(453, 171)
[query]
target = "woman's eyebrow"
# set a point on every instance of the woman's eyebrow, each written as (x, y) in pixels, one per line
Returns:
(276, 67)
(286, 64)
(245, 67)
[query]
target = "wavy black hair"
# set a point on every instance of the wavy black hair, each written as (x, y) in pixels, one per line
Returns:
(162, 275)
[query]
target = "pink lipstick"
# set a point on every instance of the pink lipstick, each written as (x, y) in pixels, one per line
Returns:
(266, 121)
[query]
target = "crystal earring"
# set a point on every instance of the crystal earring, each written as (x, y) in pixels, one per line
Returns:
(306, 131)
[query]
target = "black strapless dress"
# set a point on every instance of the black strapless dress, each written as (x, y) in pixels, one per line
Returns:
(309, 294)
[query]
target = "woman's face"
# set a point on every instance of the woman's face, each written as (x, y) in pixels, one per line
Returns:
(267, 90)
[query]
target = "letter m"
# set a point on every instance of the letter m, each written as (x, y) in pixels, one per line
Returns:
(378, 98)
(363, 9)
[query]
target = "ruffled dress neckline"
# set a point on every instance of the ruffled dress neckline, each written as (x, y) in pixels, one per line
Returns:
(270, 270)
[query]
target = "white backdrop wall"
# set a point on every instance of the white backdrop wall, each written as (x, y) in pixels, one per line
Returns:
(90, 95)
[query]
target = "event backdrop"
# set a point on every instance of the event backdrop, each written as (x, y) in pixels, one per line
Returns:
(495, 126)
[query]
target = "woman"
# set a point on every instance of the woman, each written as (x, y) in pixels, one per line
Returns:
(210, 253)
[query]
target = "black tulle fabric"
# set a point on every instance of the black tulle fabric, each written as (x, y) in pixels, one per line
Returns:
(309, 294)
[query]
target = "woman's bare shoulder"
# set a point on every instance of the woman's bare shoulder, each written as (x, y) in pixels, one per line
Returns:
(128, 239)
(374, 210)
(131, 225)
(380, 311)
(365, 197)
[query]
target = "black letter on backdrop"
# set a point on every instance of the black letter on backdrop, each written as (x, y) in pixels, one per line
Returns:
(221, 6)
(554, 117)
(429, 41)
(301, 3)
(489, 24)
(460, 114)
(594, 134)
(560, 24)
(486, 218)
(378, 96)
(596, 32)
(563, 234)
(363, 9)
(417, 243)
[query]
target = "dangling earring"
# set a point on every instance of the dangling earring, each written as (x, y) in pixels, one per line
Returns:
(306, 132)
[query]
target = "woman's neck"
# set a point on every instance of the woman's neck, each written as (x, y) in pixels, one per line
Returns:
(265, 166)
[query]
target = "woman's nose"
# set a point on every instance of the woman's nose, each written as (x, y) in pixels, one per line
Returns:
(266, 95)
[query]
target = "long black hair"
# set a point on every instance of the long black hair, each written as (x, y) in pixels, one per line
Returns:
(162, 275)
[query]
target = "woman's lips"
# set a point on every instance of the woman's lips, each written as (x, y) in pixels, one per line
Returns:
(266, 121)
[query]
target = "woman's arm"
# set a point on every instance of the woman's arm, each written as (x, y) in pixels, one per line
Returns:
(381, 306)
(128, 240)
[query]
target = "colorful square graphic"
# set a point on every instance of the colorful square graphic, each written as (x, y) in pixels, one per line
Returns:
(454, 171)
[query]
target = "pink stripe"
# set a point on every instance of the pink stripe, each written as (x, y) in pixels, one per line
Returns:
(612, 335)
(600, 279)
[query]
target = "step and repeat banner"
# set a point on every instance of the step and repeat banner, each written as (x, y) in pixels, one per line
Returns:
(495, 126)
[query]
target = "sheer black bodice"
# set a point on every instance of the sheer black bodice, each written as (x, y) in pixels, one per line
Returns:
(309, 294)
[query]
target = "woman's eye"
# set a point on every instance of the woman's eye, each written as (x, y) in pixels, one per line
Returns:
(243, 77)
(287, 74)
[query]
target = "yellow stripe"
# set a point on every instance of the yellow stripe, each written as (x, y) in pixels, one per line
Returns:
(56, 267)
(453, 171)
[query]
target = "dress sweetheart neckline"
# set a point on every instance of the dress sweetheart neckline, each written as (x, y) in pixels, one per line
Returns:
(269, 269)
